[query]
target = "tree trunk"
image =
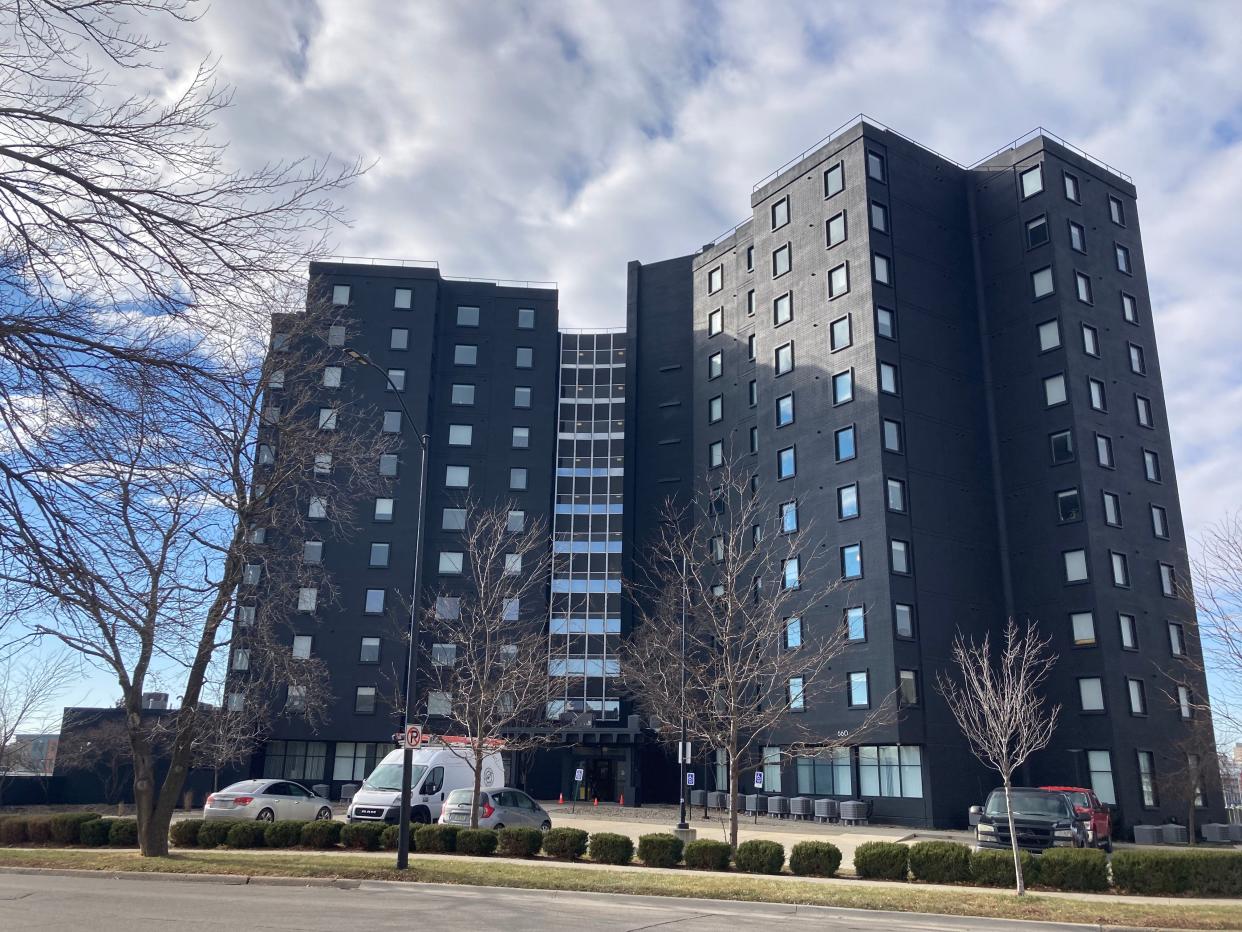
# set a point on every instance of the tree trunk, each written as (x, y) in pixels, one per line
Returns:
(1019, 880)
(1190, 817)
(152, 839)
(478, 782)
(734, 794)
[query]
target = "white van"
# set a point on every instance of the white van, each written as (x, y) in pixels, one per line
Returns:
(437, 771)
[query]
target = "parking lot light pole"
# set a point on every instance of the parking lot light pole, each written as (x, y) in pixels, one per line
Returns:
(411, 651)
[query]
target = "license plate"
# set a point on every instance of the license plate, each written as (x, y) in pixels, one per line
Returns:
(457, 817)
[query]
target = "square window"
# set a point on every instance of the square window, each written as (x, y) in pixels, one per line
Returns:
(1127, 628)
(308, 597)
(245, 615)
(847, 502)
(395, 380)
(443, 655)
(364, 700)
(1091, 694)
(785, 410)
(1159, 522)
(521, 438)
(895, 495)
(1077, 237)
(879, 217)
(379, 555)
(834, 180)
(453, 519)
(336, 335)
(875, 166)
(462, 395)
(521, 396)
(843, 387)
(1069, 506)
(892, 436)
(715, 454)
(1032, 181)
(1138, 364)
(715, 322)
(448, 607)
(276, 379)
(840, 336)
(1049, 335)
(886, 323)
(524, 358)
(515, 522)
(374, 602)
(1099, 401)
(241, 659)
(526, 318)
(460, 435)
(517, 478)
(388, 464)
(784, 358)
(332, 377)
(467, 316)
(782, 310)
(903, 620)
(1071, 187)
(780, 213)
(851, 561)
(402, 299)
(327, 418)
(340, 295)
(1123, 258)
(383, 509)
(715, 409)
(1036, 231)
(1075, 565)
(888, 378)
(511, 609)
(318, 507)
(1054, 390)
(398, 338)
(781, 261)
(1116, 211)
(1082, 287)
(715, 365)
(1129, 308)
(855, 623)
(786, 463)
(844, 443)
(835, 230)
(465, 354)
(789, 517)
(1090, 341)
(1104, 451)
(1121, 569)
(1041, 282)
(839, 281)
(883, 269)
(715, 279)
(899, 552)
(451, 562)
(1142, 410)
(859, 695)
(513, 564)
(1151, 465)
(456, 477)
(1083, 626)
(1112, 509)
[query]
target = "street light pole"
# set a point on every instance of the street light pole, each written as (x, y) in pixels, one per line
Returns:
(682, 751)
(411, 653)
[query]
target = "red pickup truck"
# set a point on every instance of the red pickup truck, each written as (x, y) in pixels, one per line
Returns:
(1084, 801)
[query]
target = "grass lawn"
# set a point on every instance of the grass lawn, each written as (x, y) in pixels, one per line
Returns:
(542, 875)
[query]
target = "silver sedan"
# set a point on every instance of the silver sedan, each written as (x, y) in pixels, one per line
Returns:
(266, 801)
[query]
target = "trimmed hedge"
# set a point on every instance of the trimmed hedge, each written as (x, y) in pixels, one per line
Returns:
(760, 857)
(66, 826)
(882, 860)
(519, 842)
(38, 830)
(660, 849)
(567, 844)
(122, 833)
(12, 830)
(477, 841)
(287, 833)
(321, 833)
(436, 839)
(390, 837)
(705, 854)
(94, 834)
(184, 834)
(1074, 869)
(362, 836)
(994, 867)
(212, 834)
(611, 848)
(815, 859)
(940, 862)
(246, 834)
(1194, 873)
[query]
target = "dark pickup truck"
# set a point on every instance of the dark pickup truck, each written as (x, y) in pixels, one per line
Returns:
(1043, 819)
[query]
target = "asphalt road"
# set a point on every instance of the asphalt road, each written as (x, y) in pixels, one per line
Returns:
(105, 904)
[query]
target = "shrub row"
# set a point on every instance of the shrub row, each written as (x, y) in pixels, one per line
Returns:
(1195, 873)
(69, 828)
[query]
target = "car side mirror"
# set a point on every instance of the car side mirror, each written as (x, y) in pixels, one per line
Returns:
(976, 813)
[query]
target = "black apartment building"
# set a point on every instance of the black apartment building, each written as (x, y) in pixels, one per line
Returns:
(949, 372)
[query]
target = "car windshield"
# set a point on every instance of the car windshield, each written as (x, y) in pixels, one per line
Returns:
(462, 798)
(388, 777)
(1080, 800)
(246, 786)
(1040, 805)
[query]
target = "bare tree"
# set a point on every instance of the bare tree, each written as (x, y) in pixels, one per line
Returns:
(28, 687)
(197, 507)
(103, 749)
(1214, 638)
(1000, 708)
(490, 660)
(743, 582)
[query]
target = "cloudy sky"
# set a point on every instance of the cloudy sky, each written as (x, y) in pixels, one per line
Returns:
(558, 140)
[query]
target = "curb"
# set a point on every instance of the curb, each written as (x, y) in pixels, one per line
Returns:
(235, 880)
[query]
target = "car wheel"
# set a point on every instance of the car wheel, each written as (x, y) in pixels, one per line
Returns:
(498, 826)
(421, 816)
(1108, 845)
(324, 815)
(266, 815)
(546, 827)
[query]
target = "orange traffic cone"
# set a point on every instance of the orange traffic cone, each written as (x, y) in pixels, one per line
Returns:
(560, 800)
(622, 803)
(596, 801)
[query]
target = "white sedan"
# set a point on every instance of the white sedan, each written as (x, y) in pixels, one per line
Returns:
(266, 801)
